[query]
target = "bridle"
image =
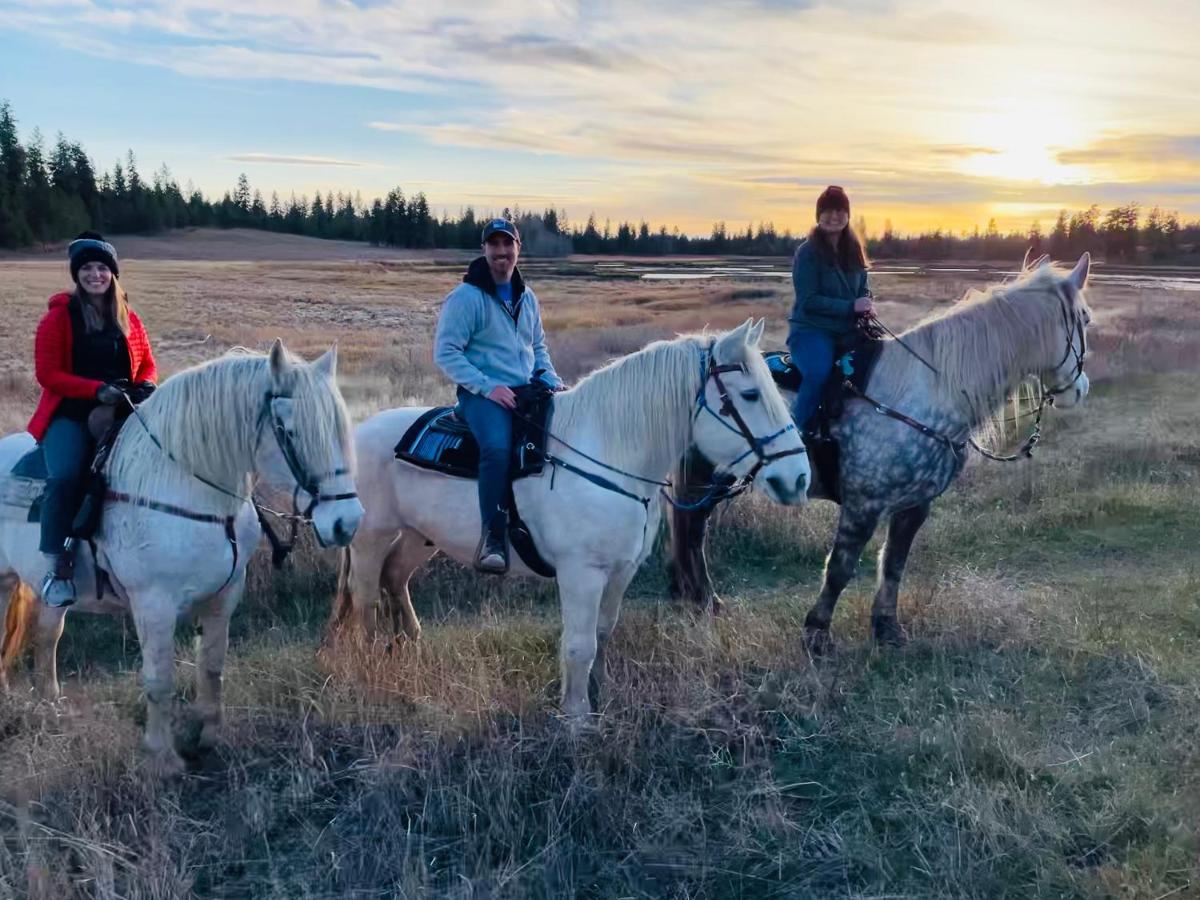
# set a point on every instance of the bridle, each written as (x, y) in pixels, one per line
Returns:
(305, 482)
(727, 410)
(1072, 319)
(719, 489)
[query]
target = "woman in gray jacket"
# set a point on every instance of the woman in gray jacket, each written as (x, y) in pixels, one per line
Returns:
(829, 273)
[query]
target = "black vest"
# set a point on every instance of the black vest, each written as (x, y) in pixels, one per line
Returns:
(102, 355)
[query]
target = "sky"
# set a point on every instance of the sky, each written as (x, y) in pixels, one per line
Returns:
(931, 114)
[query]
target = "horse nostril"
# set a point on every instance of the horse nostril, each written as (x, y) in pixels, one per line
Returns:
(777, 485)
(339, 531)
(802, 483)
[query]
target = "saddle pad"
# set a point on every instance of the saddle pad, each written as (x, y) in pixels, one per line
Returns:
(440, 441)
(854, 364)
(31, 465)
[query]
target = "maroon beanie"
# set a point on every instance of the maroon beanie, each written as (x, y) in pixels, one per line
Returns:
(833, 197)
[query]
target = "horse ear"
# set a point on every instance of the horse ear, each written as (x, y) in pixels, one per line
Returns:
(280, 364)
(754, 337)
(326, 364)
(1079, 274)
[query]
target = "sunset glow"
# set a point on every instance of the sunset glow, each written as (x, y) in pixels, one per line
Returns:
(931, 114)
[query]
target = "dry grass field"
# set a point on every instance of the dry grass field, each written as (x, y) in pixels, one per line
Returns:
(1038, 738)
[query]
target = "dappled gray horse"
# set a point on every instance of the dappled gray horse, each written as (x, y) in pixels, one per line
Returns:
(905, 442)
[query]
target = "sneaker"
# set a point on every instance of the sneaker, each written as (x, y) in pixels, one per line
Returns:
(58, 591)
(492, 555)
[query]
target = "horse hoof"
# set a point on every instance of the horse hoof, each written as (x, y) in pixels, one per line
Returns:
(819, 642)
(889, 632)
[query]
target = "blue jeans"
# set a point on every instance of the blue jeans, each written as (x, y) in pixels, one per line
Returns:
(491, 424)
(67, 447)
(813, 351)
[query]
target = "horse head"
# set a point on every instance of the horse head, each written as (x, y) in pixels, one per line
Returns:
(1065, 380)
(749, 430)
(311, 455)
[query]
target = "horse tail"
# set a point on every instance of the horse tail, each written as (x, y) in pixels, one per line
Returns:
(343, 603)
(18, 623)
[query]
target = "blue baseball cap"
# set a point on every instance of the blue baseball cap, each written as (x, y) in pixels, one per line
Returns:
(501, 226)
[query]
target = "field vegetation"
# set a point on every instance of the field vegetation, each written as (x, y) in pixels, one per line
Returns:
(1038, 737)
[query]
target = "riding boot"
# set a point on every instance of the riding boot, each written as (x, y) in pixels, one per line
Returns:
(58, 588)
(492, 554)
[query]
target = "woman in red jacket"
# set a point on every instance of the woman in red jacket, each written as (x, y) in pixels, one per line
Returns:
(88, 342)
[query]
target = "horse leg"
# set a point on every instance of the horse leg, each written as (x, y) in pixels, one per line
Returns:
(855, 528)
(365, 560)
(210, 666)
(688, 568)
(688, 532)
(610, 609)
(580, 591)
(408, 553)
(154, 618)
(47, 631)
(902, 529)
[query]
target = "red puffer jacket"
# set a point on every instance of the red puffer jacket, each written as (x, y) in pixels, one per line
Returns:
(52, 362)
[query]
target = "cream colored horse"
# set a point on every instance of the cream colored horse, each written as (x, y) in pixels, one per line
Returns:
(177, 530)
(638, 414)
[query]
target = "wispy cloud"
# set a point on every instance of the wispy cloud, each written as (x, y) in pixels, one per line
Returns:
(741, 105)
(287, 160)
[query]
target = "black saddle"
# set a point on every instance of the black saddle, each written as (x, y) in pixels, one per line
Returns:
(854, 365)
(440, 440)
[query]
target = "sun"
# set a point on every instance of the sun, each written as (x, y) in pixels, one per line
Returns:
(1021, 142)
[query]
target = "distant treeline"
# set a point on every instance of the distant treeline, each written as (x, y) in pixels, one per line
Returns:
(50, 195)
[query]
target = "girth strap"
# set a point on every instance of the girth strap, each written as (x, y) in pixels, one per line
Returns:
(172, 510)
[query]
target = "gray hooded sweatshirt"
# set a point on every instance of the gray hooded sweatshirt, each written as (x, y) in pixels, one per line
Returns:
(480, 345)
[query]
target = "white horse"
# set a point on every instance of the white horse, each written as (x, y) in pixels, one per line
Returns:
(177, 528)
(638, 415)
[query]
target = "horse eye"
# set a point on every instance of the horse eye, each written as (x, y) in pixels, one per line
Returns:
(751, 395)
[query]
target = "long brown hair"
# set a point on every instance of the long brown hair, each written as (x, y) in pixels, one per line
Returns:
(850, 255)
(116, 304)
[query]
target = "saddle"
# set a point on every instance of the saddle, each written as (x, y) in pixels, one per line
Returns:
(441, 441)
(853, 366)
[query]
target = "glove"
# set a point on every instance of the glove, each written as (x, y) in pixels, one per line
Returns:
(109, 394)
(141, 392)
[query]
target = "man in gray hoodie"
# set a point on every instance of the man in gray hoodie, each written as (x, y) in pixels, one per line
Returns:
(489, 340)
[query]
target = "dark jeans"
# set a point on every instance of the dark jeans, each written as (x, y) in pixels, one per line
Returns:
(67, 447)
(491, 424)
(813, 351)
